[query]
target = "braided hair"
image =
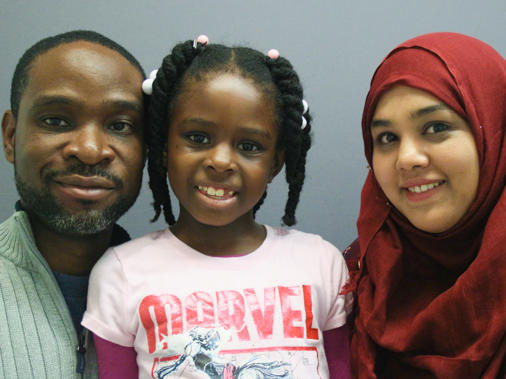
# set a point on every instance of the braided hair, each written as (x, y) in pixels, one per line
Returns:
(276, 78)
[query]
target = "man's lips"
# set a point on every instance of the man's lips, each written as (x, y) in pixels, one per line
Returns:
(96, 182)
(92, 188)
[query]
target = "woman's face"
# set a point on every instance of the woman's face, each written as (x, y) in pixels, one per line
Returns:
(424, 158)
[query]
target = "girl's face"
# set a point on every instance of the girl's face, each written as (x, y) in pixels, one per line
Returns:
(424, 158)
(221, 149)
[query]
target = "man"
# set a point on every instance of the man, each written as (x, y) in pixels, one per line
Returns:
(75, 136)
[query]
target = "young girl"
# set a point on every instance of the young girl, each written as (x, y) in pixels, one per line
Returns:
(431, 288)
(218, 295)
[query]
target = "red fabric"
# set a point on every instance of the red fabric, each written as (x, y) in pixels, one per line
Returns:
(434, 305)
(337, 351)
(115, 361)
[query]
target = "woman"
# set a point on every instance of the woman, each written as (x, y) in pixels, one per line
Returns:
(431, 283)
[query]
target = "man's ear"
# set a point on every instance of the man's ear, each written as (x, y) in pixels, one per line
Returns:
(279, 161)
(9, 134)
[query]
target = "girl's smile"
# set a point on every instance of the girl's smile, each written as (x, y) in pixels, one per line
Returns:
(221, 149)
(424, 158)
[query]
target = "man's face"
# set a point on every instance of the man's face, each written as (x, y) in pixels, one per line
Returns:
(77, 143)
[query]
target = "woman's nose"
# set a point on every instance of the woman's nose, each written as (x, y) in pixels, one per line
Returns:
(411, 154)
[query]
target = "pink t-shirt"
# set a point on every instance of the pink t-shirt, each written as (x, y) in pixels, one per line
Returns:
(195, 316)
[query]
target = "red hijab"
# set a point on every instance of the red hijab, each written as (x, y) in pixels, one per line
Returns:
(434, 305)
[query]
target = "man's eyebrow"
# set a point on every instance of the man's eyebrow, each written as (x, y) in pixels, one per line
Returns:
(125, 104)
(426, 110)
(44, 101)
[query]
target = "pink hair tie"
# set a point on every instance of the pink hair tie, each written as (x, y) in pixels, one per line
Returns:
(273, 54)
(202, 39)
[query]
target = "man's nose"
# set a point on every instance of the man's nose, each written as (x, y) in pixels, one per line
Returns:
(89, 144)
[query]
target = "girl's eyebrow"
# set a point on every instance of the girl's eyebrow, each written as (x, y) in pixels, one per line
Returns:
(209, 124)
(198, 121)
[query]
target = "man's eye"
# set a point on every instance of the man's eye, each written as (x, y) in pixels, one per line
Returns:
(198, 138)
(55, 122)
(249, 147)
(436, 127)
(121, 126)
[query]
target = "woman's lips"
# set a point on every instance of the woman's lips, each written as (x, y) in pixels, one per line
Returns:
(422, 189)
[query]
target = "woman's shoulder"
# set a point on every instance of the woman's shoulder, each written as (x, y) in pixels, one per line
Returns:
(352, 256)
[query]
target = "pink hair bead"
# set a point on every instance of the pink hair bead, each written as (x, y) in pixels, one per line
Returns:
(273, 54)
(203, 39)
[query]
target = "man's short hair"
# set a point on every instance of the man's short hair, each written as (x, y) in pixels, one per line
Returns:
(21, 73)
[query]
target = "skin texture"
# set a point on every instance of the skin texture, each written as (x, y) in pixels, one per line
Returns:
(418, 140)
(222, 135)
(77, 147)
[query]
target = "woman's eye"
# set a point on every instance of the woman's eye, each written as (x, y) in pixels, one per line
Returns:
(386, 138)
(436, 127)
(249, 147)
(198, 138)
(55, 122)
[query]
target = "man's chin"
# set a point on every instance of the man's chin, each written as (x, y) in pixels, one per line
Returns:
(83, 224)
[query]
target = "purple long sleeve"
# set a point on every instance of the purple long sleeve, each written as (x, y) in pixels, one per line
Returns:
(115, 361)
(336, 343)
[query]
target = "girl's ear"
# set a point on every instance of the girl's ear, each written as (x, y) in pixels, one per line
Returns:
(9, 134)
(279, 161)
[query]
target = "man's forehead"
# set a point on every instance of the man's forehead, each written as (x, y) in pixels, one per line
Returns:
(82, 55)
(82, 67)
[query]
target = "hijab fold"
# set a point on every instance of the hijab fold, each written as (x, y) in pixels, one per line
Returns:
(434, 305)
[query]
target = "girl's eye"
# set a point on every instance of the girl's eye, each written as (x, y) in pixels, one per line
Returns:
(436, 127)
(198, 138)
(55, 122)
(386, 138)
(250, 147)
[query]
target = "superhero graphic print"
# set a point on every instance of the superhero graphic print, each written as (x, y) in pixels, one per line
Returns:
(250, 333)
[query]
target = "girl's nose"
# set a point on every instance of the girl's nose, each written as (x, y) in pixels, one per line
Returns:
(89, 144)
(221, 159)
(411, 154)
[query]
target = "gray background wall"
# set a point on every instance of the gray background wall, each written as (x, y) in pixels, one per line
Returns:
(335, 46)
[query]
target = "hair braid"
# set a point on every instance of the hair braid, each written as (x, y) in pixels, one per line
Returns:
(295, 141)
(164, 89)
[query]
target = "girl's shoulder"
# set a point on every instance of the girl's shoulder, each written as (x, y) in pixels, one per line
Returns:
(299, 240)
(140, 245)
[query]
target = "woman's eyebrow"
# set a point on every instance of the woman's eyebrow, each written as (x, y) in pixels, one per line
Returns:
(426, 110)
(379, 123)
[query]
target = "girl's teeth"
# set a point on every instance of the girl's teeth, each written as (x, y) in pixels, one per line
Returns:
(214, 192)
(423, 187)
